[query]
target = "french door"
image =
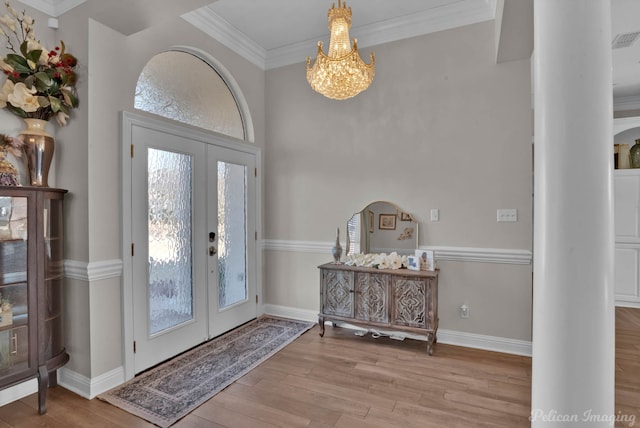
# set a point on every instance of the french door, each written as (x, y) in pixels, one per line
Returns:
(193, 224)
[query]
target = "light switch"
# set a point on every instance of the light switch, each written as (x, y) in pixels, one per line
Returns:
(435, 214)
(505, 215)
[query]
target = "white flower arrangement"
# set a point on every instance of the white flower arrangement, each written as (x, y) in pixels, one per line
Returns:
(40, 83)
(380, 261)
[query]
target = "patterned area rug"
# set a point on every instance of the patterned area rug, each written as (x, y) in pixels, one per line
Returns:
(165, 394)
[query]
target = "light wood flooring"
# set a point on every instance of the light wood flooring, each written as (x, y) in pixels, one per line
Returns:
(346, 381)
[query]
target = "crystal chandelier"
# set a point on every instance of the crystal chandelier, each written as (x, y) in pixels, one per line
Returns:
(342, 74)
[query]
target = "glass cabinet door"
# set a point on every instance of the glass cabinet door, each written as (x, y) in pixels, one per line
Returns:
(52, 222)
(14, 293)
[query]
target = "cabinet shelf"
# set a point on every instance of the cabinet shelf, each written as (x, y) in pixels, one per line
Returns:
(13, 279)
(18, 321)
(629, 171)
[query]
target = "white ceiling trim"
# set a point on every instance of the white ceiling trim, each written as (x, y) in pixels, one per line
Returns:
(53, 8)
(217, 27)
(626, 103)
(430, 21)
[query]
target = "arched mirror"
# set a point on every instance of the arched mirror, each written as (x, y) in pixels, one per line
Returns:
(382, 227)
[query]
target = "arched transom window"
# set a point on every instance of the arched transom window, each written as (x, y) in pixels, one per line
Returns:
(181, 86)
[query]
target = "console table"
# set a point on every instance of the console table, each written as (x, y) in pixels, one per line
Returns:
(391, 299)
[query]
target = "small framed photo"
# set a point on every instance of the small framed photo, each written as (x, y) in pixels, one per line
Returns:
(387, 222)
(405, 217)
(427, 259)
(413, 263)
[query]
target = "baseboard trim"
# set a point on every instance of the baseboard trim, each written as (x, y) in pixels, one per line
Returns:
(289, 312)
(487, 343)
(449, 337)
(627, 304)
(90, 387)
(18, 391)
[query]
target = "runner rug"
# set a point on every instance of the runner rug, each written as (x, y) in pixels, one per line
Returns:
(170, 391)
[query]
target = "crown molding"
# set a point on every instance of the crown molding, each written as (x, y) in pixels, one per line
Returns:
(626, 103)
(220, 29)
(462, 13)
(53, 8)
(418, 24)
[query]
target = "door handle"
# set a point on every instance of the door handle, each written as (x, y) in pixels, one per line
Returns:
(212, 251)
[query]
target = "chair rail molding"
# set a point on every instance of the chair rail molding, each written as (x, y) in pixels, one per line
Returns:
(460, 254)
(93, 271)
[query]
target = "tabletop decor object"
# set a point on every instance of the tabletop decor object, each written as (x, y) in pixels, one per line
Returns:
(8, 172)
(634, 154)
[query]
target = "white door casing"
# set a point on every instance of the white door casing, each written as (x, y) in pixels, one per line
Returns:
(212, 148)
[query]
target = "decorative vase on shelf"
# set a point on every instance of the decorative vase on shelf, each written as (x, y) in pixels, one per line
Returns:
(38, 151)
(635, 154)
(624, 157)
(337, 249)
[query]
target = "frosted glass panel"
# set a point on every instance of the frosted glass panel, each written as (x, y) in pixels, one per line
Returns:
(181, 86)
(170, 239)
(232, 234)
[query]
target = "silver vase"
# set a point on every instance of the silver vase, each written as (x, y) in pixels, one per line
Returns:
(336, 251)
(38, 151)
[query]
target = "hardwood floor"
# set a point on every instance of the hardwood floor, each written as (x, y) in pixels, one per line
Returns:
(346, 381)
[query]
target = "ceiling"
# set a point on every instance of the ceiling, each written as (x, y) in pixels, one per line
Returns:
(275, 33)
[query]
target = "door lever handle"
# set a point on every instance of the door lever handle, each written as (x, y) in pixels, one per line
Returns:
(212, 251)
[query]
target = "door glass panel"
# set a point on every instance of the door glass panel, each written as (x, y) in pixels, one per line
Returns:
(232, 234)
(170, 239)
(162, 90)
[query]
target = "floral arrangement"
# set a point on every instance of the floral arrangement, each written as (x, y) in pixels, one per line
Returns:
(380, 261)
(40, 83)
(11, 144)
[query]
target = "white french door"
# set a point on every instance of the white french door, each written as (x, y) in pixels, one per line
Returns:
(193, 223)
(232, 273)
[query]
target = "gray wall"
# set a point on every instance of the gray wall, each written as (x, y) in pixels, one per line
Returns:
(442, 126)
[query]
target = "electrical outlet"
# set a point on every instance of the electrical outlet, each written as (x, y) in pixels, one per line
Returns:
(435, 214)
(464, 311)
(507, 215)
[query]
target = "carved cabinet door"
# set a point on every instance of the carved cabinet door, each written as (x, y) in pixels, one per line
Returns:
(410, 297)
(337, 293)
(372, 302)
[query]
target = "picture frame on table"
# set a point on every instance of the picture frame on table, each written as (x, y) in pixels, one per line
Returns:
(427, 259)
(413, 262)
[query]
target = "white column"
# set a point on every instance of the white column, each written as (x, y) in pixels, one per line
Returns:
(573, 299)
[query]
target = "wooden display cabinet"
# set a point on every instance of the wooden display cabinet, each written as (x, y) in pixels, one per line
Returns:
(31, 286)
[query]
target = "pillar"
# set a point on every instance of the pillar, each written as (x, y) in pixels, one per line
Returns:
(573, 296)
